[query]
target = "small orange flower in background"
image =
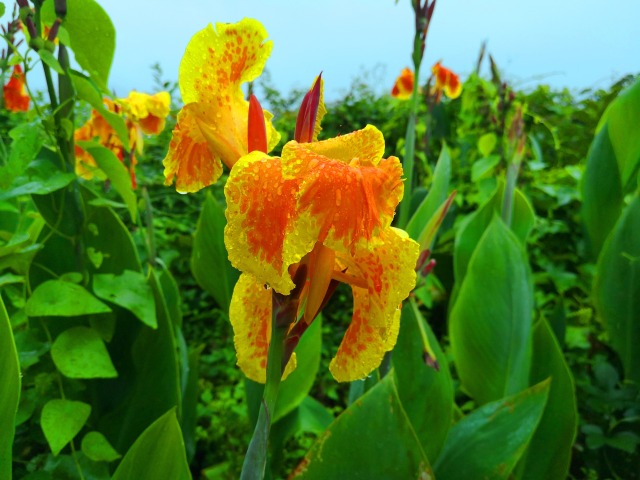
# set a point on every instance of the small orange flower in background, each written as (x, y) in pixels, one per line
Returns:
(327, 207)
(403, 87)
(446, 81)
(15, 95)
(212, 126)
(143, 114)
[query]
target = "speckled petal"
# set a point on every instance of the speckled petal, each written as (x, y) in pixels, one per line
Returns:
(388, 270)
(261, 208)
(190, 159)
(250, 315)
(343, 202)
(215, 65)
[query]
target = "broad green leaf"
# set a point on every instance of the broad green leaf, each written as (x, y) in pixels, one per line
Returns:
(157, 453)
(92, 36)
(80, 353)
(61, 421)
(62, 299)
(190, 398)
(40, 178)
(436, 196)
(483, 167)
(129, 290)
(623, 117)
(298, 384)
(487, 143)
(387, 447)
(152, 382)
(209, 262)
(26, 141)
(489, 442)
(47, 57)
(90, 93)
(426, 394)
(116, 172)
(97, 448)
(549, 453)
(491, 322)
(601, 191)
(9, 391)
(616, 288)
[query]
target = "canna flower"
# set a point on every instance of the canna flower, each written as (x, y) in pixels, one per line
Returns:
(446, 81)
(212, 126)
(15, 95)
(148, 112)
(324, 208)
(403, 87)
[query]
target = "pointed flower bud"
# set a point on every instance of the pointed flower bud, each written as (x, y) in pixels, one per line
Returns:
(256, 129)
(307, 116)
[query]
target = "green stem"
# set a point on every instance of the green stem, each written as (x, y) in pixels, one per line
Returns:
(509, 192)
(283, 314)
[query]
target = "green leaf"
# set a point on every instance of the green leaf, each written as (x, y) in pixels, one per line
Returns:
(487, 143)
(26, 141)
(489, 442)
(298, 384)
(436, 196)
(62, 420)
(80, 353)
(426, 395)
(623, 116)
(129, 290)
(549, 453)
(2, 9)
(40, 178)
(602, 195)
(616, 288)
(97, 448)
(157, 453)
(47, 57)
(91, 94)
(62, 299)
(209, 262)
(484, 167)
(9, 391)
(92, 36)
(387, 449)
(491, 321)
(116, 172)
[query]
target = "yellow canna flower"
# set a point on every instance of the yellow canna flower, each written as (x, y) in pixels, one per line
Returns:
(212, 126)
(149, 112)
(403, 88)
(327, 207)
(446, 81)
(15, 95)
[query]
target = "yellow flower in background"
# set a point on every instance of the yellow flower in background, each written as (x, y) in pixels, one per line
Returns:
(446, 81)
(403, 88)
(149, 112)
(327, 207)
(15, 94)
(212, 125)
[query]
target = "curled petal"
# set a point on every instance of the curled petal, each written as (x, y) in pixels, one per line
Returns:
(190, 158)
(261, 205)
(403, 88)
(388, 270)
(250, 315)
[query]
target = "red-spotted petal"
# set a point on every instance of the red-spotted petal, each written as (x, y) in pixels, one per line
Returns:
(403, 88)
(250, 315)
(388, 270)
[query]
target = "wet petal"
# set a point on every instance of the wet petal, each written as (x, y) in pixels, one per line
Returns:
(388, 270)
(215, 65)
(261, 207)
(403, 88)
(250, 315)
(190, 159)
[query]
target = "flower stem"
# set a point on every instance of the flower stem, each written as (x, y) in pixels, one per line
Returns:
(283, 314)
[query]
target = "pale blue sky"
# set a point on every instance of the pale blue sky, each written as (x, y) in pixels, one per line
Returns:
(574, 43)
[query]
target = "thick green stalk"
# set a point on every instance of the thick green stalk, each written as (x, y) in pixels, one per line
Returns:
(509, 192)
(255, 460)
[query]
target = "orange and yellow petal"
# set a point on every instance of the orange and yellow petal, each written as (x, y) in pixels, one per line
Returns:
(446, 81)
(403, 88)
(388, 271)
(148, 111)
(190, 160)
(215, 65)
(250, 315)
(15, 95)
(341, 204)
(261, 207)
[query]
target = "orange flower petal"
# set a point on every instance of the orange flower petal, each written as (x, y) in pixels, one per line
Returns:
(148, 111)
(446, 81)
(261, 204)
(190, 158)
(403, 88)
(250, 315)
(215, 65)
(388, 270)
(15, 95)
